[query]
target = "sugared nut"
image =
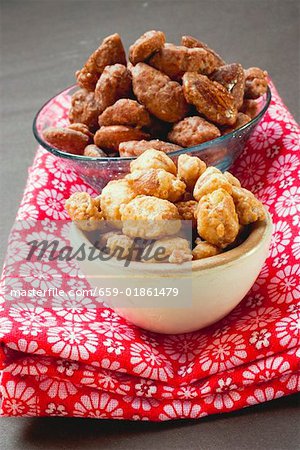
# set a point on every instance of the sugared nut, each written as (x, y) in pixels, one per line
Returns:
(232, 179)
(157, 183)
(190, 168)
(209, 181)
(162, 97)
(85, 109)
(85, 211)
(232, 77)
(191, 42)
(94, 151)
(150, 218)
(187, 210)
(204, 249)
(217, 220)
(187, 196)
(66, 140)
(250, 108)
(111, 51)
(249, 209)
(77, 126)
(119, 245)
(149, 43)
(175, 60)
(103, 238)
(136, 148)
(193, 131)
(125, 112)
(256, 82)
(241, 120)
(109, 138)
(153, 159)
(113, 84)
(210, 98)
(113, 196)
(174, 250)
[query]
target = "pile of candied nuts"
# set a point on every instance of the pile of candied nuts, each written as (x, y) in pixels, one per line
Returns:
(166, 97)
(156, 197)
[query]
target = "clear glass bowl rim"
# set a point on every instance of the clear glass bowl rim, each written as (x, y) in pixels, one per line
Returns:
(202, 147)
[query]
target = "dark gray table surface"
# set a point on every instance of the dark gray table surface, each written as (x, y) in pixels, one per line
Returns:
(42, 43)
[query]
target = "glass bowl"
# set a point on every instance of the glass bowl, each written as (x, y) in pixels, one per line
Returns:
(97, 172)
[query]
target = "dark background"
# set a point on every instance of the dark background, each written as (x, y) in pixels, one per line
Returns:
(42, 43)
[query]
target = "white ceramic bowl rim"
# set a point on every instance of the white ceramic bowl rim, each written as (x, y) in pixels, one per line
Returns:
(260, 231)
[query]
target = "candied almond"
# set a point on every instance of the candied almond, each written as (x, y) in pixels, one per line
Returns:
(136, 148)
(84, 109)
(175, 60)
(232, 77)
(94, 151)
(256, 82)
(125, 112)
(162, 97)
(192, 131)
(110, 51)
(113, 84)
(77, 126)
(191, 42)
(250, 108)
(241, 120)
(147, 44)
(210, 98)
(109, 138)
(66, 140)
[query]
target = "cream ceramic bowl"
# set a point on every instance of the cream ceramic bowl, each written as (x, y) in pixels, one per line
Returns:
(208, 289)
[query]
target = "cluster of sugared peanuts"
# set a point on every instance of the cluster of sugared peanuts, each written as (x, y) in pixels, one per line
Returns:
(183, 94)
(156, 197)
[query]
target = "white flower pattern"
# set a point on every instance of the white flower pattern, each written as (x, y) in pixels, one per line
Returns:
(57, 388)
(288, 204)
(98, 405)
(72, 341)
(149, 362)
(179, 410)
(260, 338)
(266, 370)
(19, 399)
(226, 395)
(263, 395)
(284, 287)
(281, 237)
(223, 353)
(52, 202)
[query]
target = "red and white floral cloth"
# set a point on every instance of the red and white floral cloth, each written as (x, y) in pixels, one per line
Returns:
(89, 362)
